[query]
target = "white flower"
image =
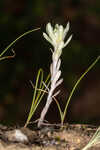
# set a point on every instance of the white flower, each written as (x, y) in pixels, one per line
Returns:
(57, 35)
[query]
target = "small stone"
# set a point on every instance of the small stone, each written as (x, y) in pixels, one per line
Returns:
(16, 136)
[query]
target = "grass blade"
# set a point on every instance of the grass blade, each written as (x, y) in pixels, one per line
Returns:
(40, 72)
(38, 93)
(75, 86)
(12, 43)
(94, 141)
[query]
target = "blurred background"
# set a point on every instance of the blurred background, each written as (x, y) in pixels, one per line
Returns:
(32, 53)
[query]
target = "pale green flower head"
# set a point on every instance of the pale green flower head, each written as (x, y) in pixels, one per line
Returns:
(57, 35)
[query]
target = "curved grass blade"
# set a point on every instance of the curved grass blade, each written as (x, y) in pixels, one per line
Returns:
(38, 94)
(12, 43)
(74, 88)
(7, 57)
(59, 108)
(41, 93)
(39, 74)
(94, 140)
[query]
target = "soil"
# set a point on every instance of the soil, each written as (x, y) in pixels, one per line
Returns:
(71, 137)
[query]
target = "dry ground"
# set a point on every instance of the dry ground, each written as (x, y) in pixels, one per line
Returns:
(72, 137)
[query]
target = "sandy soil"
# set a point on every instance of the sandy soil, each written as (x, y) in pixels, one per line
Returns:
(72, 137)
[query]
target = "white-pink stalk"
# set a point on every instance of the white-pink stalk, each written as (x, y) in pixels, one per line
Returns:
(56, 37)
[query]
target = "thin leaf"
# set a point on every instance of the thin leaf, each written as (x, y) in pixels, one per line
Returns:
(75, 86)
(38, 94)
(12, 43)
(94, 140)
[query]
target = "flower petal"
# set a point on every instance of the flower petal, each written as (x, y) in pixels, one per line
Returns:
(69, 39)
(47, 37)
(60, 32)
(66, 30)
(49, 30)
(61, 45)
